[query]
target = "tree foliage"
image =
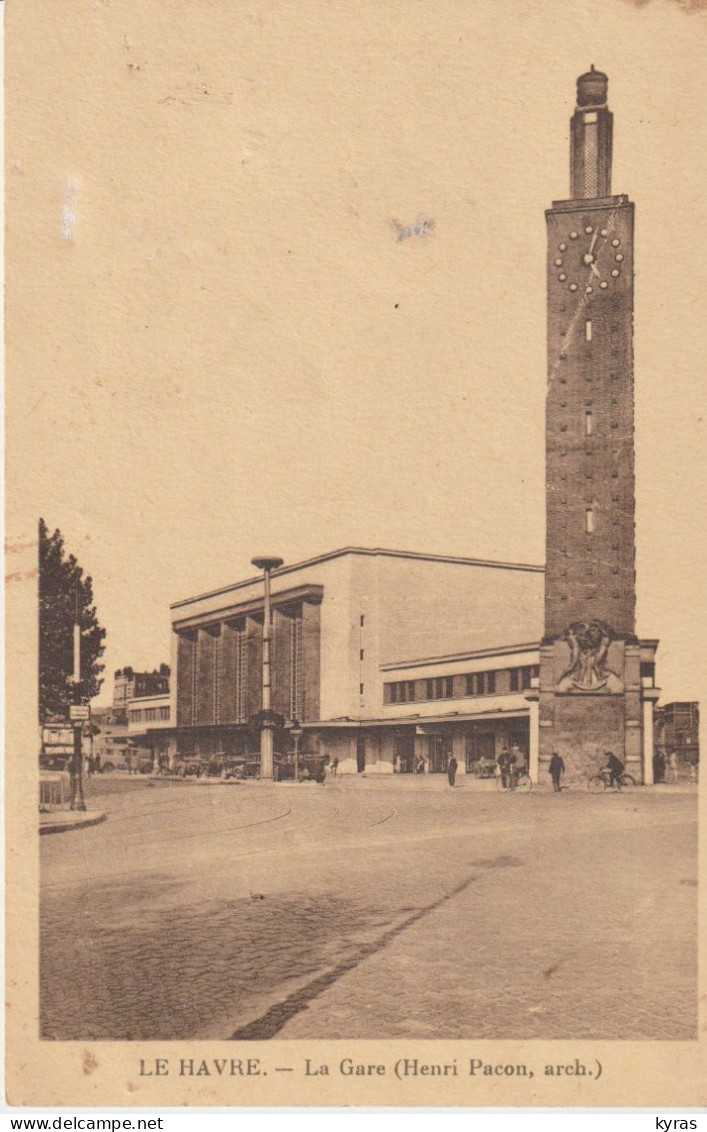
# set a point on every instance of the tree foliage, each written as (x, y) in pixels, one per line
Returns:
(64, 591)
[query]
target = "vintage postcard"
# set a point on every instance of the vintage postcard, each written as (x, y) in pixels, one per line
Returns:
(355, 603)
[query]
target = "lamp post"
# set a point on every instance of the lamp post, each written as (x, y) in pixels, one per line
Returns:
(76, 715)
(296, 731)
(267, 564)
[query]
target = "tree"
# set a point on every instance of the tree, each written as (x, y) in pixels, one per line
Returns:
(64, 591)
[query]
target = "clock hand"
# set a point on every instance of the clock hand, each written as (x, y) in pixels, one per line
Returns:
(595, 270)
(594, 240)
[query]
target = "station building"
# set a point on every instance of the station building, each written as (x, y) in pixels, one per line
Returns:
(385, 657)
(393, 660)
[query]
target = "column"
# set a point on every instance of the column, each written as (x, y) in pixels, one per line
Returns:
(648, 742)
(534, 741)
(459, 751)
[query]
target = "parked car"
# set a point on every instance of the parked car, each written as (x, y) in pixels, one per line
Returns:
(485, 768)
(54, 762)
(309, 768)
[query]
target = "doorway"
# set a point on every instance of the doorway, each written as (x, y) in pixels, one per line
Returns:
(480, 752)
(404, 753)
(360, 754)
(440, 752)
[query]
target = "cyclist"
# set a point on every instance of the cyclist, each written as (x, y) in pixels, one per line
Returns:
(615, 768)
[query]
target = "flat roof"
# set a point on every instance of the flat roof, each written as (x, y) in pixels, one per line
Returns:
(366, 552)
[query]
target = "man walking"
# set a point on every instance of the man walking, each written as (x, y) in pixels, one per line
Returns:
(504, 766)
(673, 766)
(556, 768)
(452, 770)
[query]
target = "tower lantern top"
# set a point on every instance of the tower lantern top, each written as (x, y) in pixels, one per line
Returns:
(592, 88)
(591, 132)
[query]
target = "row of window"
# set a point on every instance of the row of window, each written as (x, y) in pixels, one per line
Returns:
(148, 715)
(466, 684)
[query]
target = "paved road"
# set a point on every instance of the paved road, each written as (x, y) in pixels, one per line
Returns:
(349, 912)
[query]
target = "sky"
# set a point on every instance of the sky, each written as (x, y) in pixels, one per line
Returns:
(219, 345)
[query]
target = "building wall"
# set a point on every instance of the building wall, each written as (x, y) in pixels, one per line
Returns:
(374, 607)
(434, 608)
(507, 693)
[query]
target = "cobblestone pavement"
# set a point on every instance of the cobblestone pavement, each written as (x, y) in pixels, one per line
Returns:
(334, 912)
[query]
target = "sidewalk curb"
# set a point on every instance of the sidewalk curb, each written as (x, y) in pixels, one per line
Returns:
(70, 822)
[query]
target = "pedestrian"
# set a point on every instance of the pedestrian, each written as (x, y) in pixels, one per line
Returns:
(334, 766)
(556, 768)
(673, 766)
(420, 765)
(452, 770)
(659, 767)
(504, 766)
(615, 768)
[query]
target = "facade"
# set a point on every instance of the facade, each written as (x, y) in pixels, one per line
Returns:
(385, 657)
(111, 740)
(149, 730)
(133, 728)
(130, 685)
(596, 678)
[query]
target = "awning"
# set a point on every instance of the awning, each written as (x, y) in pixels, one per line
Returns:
(419, 720)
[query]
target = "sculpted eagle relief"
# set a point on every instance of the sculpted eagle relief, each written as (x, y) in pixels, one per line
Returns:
(588, 671)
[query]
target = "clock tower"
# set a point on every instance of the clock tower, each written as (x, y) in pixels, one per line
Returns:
(591, 688)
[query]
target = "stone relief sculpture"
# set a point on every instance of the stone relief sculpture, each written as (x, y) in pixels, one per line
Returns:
(588, 642)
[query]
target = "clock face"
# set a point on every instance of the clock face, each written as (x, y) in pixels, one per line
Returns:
(589, 258)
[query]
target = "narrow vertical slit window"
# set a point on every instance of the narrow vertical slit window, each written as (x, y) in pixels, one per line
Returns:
(194, 678)
(217, 676)
(296, 687)
(589, 520)
(588, 330)
(242, 674)
(588, 423)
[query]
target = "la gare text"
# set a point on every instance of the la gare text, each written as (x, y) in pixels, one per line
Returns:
(348, 1067)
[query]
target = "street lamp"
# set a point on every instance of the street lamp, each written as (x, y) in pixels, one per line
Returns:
(267, 564)
(296, 731)
(77, 714)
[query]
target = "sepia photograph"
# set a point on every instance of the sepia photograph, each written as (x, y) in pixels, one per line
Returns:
(355, 590)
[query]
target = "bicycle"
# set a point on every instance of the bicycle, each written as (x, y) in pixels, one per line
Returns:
(516, 780)
(600, 782)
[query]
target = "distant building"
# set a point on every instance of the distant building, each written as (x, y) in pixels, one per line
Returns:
(139, 700)
(130, 685)
(677, 728)
(111, 739)
(149, 731)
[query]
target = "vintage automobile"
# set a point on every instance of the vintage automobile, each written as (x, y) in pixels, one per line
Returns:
(244, 766)
(54, 762)
(310, 768)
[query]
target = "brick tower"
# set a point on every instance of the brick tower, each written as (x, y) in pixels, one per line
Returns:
(590, 660)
